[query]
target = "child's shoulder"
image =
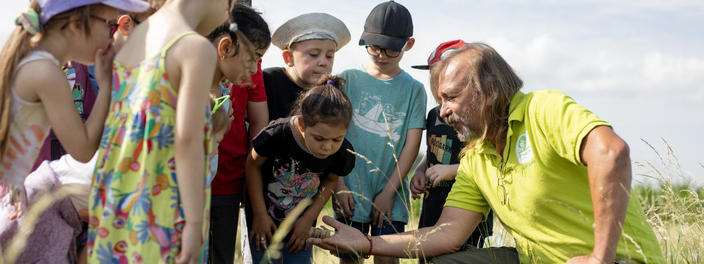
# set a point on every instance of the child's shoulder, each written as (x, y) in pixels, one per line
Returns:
(277, 126)
(404, 75)
(189, 44)
(52, 74)
(274, 73)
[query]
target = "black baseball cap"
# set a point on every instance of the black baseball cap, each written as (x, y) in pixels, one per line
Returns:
(389, 25)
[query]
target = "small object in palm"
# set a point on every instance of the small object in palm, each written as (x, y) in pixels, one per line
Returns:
(320, 232)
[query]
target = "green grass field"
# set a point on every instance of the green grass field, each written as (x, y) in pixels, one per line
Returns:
(674, 207)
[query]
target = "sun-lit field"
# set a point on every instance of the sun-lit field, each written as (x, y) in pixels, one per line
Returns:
(673, 206)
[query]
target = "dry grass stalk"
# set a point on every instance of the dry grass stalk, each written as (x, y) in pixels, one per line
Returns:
(42, 203)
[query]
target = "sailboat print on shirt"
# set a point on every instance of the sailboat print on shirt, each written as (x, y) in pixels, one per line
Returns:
(373, 117)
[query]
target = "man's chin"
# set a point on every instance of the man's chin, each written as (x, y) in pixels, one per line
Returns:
(463, 133)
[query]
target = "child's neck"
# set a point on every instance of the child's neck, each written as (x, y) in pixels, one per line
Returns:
(56, 45)
(382, 73)
(217, 77)
(291, 74)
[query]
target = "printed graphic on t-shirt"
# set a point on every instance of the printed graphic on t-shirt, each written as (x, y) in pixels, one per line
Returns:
(374, 116)
(76, 89)
(290, 185)
(441, 146)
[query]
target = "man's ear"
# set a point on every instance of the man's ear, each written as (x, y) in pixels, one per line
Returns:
(125, 25)
(409, 44)
(225, 47)
(288, 57)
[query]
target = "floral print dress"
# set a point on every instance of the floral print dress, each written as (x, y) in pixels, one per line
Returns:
(136, 214)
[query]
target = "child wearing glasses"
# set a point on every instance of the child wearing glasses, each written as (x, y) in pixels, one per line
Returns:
(389, 114)
(149, 198)
(49, 34)
(248, 104)
(294, 158)
(309, 43)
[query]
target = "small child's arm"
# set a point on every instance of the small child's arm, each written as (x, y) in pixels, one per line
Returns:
(384, 200)
(419, 178)
(441, 172)
(301, 228)
(263, 226)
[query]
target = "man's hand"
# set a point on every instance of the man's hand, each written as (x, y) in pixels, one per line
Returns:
(441, 172)
(383, 203)
(342, 200)
(417, 184)
(347, 239)
(299, 234)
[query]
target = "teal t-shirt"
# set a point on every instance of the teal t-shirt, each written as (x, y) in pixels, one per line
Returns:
(383, 111)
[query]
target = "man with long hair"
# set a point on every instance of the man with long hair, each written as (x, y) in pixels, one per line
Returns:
(556, 175)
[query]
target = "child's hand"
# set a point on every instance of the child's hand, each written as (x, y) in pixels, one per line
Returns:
(103, 66)
(342, 201)
(440, 173)
(299, 234)
(190, 243)
(383, 203)
(417, 184)
(263, 228)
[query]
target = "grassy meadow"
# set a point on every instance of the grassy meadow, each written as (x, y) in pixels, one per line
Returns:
(673, 206)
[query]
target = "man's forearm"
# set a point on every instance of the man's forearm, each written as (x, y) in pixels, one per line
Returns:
(609, 168)
(610, 194)
(447, 236)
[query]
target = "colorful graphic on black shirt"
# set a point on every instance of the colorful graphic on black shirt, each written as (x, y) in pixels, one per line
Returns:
(289, 187)
(441, 146)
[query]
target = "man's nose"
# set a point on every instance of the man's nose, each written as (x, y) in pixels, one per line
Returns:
(444, 110)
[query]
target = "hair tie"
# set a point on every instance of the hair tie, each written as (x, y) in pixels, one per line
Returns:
(29, 20)
(233, 27)
(330, 82)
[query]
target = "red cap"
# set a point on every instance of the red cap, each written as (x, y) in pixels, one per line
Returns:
(440, 52)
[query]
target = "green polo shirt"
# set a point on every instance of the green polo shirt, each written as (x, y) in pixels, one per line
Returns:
(539, 188)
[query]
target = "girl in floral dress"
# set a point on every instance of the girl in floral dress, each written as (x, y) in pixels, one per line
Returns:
(149, 200)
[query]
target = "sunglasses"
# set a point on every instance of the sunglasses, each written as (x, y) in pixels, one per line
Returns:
(112, 25)
(219, 102)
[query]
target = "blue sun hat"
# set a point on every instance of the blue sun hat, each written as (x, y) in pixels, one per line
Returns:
(51, 8)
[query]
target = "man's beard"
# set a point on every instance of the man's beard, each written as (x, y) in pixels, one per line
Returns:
(458, 123)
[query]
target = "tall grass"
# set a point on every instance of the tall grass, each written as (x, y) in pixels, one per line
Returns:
(673, 205)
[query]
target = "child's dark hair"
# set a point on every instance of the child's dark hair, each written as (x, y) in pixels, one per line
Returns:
(325, 103)
(249, 22)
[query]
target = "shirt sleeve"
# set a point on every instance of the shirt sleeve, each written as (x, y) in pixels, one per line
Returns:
(344, 160)
(265, 142)
(564, 123)
(256, 91)
(464, 193)
(417, 110)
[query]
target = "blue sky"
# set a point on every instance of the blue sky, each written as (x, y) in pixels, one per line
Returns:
(637, 64)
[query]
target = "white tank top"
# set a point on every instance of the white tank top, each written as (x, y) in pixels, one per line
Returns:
(28, 130)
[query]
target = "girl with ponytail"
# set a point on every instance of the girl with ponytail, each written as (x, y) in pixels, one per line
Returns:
(34, 92)
(294, 158)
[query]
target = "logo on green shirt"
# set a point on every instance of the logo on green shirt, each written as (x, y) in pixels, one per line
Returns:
(524, 153)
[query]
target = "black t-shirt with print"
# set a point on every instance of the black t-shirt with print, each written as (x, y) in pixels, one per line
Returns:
(290, 172)
(281, 92)
(444, 148)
